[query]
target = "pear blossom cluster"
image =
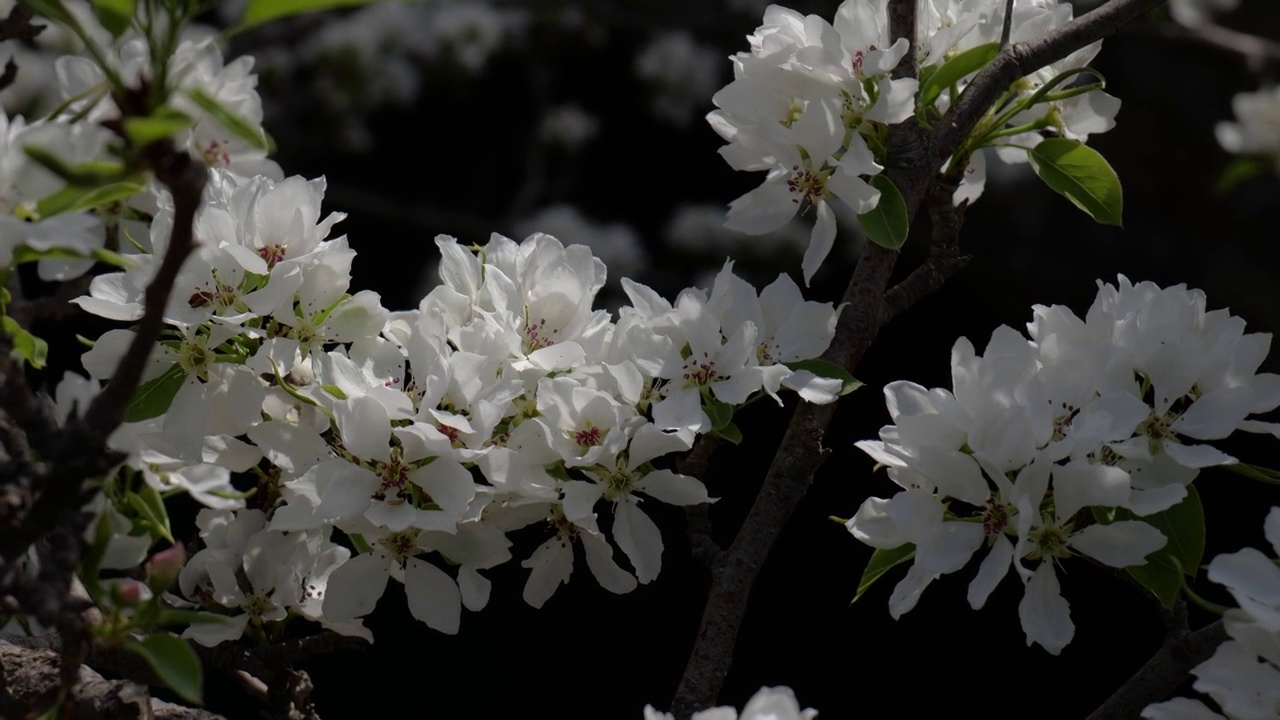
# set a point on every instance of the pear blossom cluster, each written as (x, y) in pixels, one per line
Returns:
(812, 100)
(802, 105)
(1060, 443)
(336, 444)
(504, 400)
(1243, 675)
(1256, 128)
(767, 704)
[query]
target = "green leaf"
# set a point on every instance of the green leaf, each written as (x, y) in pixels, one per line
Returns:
(93, 555)
(886, 224)
(721, 414)
(115, 15)
(1183, 525)
(1255, 472)
(153, 397)
(261, 11)
(25, 345)
(729, 432)
(881, 562)
(90, 174)
(238, 126)
(150, 507)
(1080, 174)
(163, 123)
(1242, 170)
(955, 70)
(826, 369)
(335, 391)
(52, 9)
(74, 198)
(174, 662)
(179, 616)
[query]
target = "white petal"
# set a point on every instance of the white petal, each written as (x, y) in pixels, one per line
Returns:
(448, 483)
(433, 596)
(551, 563)
(993, 569)
(475, 588)
(1120, 544)
(355, 587)
(365, 427)
(907, 592)
(1196, 456)
(639, 538)
(1045, 615)
(600, 559)
(673, 489)
(820, 241)
(1180, 709)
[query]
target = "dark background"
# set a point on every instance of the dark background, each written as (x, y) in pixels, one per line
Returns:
(459, 159)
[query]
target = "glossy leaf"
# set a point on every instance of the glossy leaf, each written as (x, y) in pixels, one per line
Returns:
(25, 345)
(827, 369)
(1183, 525)
(258, 12)
(955, 70)
(881, 562)
(174, 662)
(153, 397)
(887, 224)
(1080, 174)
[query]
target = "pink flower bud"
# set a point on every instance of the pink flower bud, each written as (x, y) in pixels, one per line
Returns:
(164, 566)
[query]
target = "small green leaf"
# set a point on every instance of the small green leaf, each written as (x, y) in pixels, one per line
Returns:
(1242, 170)
(1080, 174)
(74, 198)
(115, 15)
(164, 123)
(887, 223)
(25, 345)
(729, 432)
(261, 11)
(1255, 472)
(881, 562)
(150, 507)
(153, 397)
(721, 414)
(956, 69)
(179, 616)
(174, 662)
(238, 126)
(52, 9)
(335, 391)
(26, 254)
(90, 174)
(827, 369)
(1183, 525)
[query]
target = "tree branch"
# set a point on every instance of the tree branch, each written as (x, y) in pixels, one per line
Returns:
(30, 680)
(915, 158)
(1167, 669)
(698, 517)
(1256, 51)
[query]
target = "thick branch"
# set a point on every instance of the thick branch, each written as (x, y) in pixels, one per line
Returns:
(915, 159)
(30, 682)
(1163, 673)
